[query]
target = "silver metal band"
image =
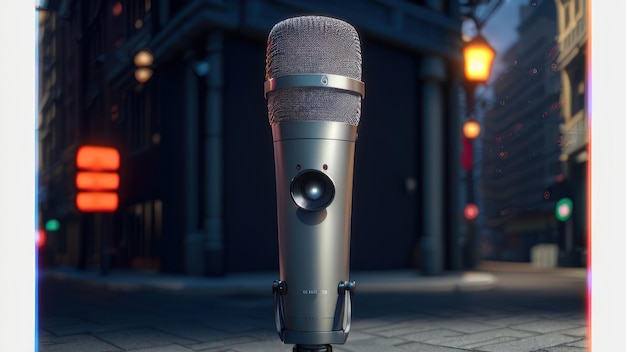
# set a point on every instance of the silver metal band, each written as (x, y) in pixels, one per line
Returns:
(315, 80)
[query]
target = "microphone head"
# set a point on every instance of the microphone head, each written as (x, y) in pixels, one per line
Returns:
(313, 45)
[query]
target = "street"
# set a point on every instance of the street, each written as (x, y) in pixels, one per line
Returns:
(524, 309)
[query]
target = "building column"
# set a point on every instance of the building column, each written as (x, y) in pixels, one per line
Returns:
(455, 183)
(194, 238)
(432, 74)
(214, 260)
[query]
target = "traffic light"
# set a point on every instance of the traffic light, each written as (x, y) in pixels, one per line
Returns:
(40, 238)
(563, 209)
(561, 192)
(470, 212)
(52, 225)
(97, 179)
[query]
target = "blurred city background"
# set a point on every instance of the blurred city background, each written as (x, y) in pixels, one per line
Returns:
(454, 173)
(176, 88)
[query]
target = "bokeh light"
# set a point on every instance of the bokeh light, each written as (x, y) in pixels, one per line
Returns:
(471, 211)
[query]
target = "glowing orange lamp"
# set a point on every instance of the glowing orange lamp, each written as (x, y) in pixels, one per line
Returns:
(91, 202)
(471, 129)
(97, 179)
(97, 158)
(143, 60)
(478, 56)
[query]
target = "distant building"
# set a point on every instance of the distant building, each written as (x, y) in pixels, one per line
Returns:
(521, 143)
(572, 62)
(197, 191)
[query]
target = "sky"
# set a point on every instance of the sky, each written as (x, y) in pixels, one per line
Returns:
(500, 30)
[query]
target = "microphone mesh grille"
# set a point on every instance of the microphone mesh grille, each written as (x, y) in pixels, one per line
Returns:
(313, 44)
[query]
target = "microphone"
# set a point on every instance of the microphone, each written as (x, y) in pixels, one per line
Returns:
(314, 91)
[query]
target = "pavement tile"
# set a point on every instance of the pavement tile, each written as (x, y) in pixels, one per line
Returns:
(233, 325)
(256, 346)
(46, 321)
(365, 324)
(388, 341)
(357, 335)
(76, 343)
(512, 319)
(398, 329)
(577, 332)
(546, 326)
(398, 316)
(497, 340)
(565, 349)
(422, 347)
(431, 335)
(488, 317)
(264, 334)
(192, 331)
(225, 342)
(532, 343)
(378, 345)
(449, 313)
(166, 348)
(73, 329)
(123, 325)
(463, 325)
(141, 338)
(479, 339)
(582, 343)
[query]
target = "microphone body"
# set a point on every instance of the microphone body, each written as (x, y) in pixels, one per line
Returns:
(314, 246)
(314, 92)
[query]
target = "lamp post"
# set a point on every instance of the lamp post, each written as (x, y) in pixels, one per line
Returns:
(478, 58)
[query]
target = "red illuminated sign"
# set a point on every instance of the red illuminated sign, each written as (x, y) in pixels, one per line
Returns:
(97, 179)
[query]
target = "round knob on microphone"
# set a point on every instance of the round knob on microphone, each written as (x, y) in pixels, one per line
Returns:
(312, 190)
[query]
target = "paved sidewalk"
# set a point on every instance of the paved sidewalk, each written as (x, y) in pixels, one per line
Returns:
(497, 307)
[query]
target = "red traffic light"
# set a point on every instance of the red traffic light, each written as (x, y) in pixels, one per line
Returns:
(470, 212)
(40, 238)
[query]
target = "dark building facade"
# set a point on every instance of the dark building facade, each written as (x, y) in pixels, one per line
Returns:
(197, 189)
(522, 176)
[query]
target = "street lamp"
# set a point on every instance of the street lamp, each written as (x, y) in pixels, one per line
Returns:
(471, 129)
(143, 61)
(478, 58)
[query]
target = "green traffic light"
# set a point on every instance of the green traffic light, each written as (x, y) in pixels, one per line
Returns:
(563, 209)
(52, 225)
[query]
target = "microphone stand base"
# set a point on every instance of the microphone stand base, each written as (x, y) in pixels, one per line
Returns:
(312, 348)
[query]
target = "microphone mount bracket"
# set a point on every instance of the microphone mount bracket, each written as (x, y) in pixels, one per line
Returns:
(345, 289)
